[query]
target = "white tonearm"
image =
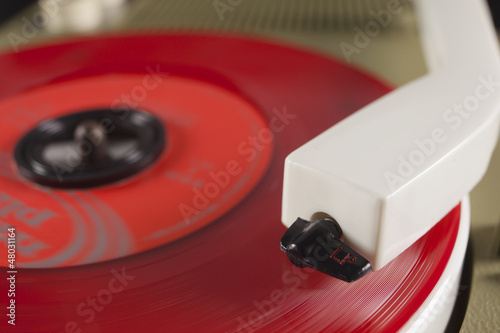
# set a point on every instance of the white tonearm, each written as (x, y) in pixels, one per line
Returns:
(392, 170)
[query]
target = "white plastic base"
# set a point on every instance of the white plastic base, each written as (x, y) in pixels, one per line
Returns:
(435, 312)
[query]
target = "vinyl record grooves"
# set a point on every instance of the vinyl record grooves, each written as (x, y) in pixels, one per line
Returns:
(239, 104)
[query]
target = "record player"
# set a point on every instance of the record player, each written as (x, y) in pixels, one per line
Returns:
(147, 166)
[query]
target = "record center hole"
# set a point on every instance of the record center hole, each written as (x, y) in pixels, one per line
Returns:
(69, 153)
(90, 148)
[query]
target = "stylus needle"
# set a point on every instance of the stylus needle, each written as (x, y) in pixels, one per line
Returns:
(317, 245)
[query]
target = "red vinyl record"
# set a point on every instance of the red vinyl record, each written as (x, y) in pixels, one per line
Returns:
(190, 243)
